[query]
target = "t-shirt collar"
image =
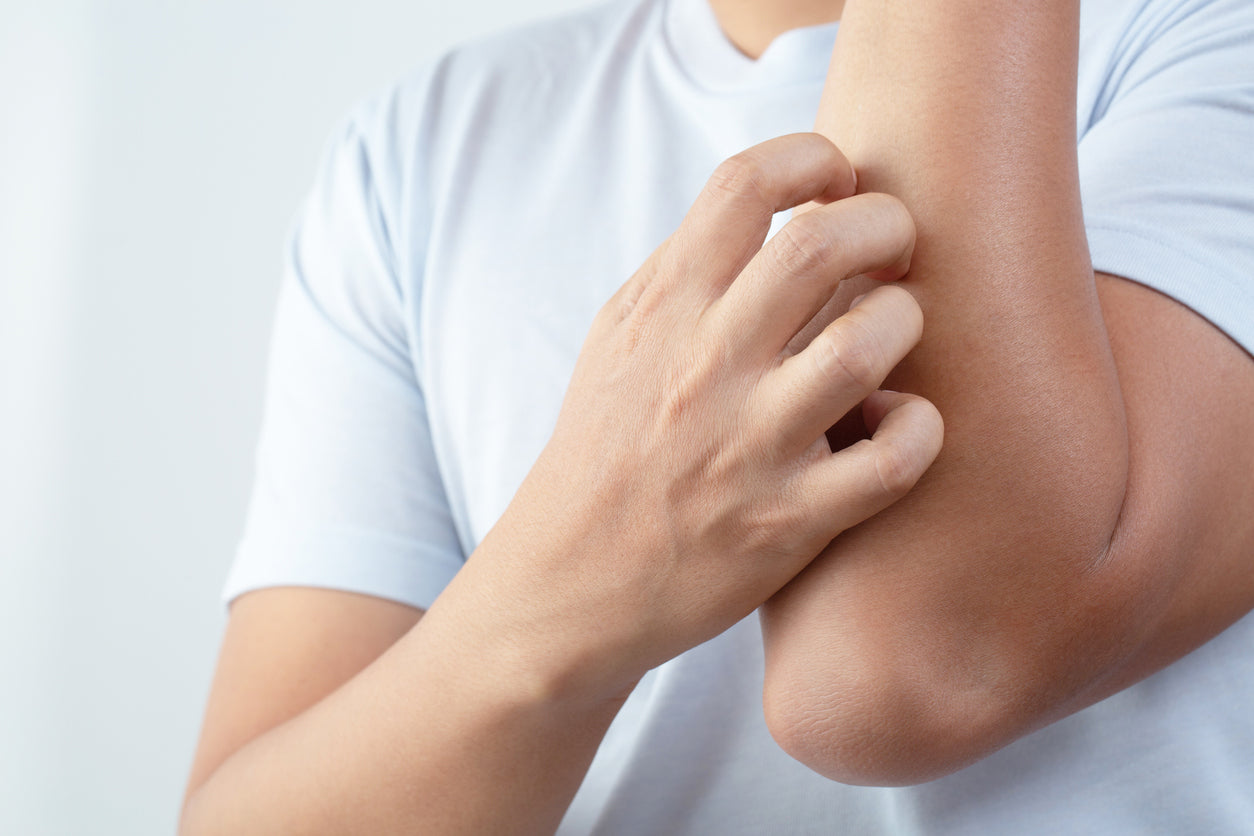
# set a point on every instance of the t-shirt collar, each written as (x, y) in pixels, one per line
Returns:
(699, 45)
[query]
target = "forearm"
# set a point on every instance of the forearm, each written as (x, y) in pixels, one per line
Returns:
(687, 479)
(966, 111)
(454, 730)
(949, 624)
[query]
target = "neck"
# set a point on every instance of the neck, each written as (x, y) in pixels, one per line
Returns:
(752, 24)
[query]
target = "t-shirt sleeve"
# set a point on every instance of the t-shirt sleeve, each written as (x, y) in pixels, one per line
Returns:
(1167, 161)
(347, 493)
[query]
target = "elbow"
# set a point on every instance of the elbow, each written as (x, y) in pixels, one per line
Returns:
(956, 623)
(916, 696)
(882, 736)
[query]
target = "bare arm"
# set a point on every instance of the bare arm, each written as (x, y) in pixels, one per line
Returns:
(687, 480)
(1066, 543)
(308, 733)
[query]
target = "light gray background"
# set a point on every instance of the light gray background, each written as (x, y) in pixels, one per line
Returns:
(151, 157)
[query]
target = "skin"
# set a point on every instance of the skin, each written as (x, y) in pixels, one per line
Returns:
(688, 407)
(1063, 546)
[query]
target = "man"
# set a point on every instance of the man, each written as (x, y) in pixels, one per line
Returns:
(991, 638)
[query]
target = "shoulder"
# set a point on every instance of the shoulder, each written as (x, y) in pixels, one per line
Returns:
(507, 72)
(1123, 41)
(1165, 112)
(424, 128)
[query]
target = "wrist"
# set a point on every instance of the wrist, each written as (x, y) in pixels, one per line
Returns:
(518, 630)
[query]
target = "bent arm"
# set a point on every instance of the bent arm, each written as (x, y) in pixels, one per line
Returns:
(614, 554)
(1065, 543)
(444, 732)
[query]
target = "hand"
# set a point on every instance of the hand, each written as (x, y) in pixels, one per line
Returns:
(688, 477)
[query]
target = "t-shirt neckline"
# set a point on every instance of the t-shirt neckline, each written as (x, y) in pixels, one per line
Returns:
(701, 48)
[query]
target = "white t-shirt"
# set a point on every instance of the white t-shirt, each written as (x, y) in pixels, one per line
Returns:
(469, 221)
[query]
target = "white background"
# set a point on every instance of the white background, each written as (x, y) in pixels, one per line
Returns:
(151, 157)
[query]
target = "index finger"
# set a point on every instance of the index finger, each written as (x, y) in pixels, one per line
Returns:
(729, 221)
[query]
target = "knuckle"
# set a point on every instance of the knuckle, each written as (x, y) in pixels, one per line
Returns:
(741, 178)
(897, 468)
(620, 306)
(851, 353)
(803, 245)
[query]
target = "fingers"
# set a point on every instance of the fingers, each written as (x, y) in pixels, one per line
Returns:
(798, 270)
(845, 363)
(730, 219)
(859, 481)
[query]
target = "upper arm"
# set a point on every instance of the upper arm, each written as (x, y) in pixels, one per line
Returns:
(348, 492)
(1185, 538)
(286, 648)
(350, 534)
